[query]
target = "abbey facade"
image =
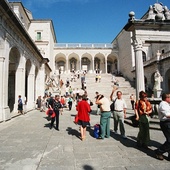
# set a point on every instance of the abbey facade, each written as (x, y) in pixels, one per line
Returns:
(30, 54)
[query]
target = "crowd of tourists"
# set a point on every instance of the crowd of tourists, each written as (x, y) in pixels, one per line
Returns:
(54, 106)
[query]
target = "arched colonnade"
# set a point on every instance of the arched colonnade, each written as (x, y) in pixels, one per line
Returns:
(105, 62)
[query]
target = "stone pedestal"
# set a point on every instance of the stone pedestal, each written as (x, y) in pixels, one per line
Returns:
(157, 93)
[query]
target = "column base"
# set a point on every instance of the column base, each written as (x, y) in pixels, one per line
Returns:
(6, 114)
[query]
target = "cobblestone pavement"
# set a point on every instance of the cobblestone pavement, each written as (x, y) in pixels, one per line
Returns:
(27, 143)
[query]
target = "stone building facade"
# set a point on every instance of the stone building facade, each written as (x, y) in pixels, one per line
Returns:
(30, 54)
(22, 66)
(144, 47)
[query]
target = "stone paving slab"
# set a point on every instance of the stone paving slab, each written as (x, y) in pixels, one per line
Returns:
(27, 143)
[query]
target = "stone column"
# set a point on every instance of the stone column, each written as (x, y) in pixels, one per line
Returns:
(80, 64)
(105, 64)
(31, 83)
(93, 71)
(1, 86)
(40, 81)
(31, 88)
(67, 63)
(19, 86)
(140, 85)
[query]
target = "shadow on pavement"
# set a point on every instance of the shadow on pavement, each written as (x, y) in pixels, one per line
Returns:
(91, 131)
(73, 132)
(87, 167)
(130, 141)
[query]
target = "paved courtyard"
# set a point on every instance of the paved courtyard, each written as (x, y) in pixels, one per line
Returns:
(27, 143)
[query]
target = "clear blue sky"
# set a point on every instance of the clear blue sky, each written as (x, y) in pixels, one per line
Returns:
(88, 21)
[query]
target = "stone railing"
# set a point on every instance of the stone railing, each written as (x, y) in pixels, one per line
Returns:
(83, 45)
(165, 55)
(154, 59)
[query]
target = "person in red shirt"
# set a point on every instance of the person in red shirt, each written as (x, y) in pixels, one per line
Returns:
(83, 109)
(62, 101)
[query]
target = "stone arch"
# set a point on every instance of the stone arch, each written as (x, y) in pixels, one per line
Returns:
(99, 63)
(73, 59)
(14, 59)
(60, 63)
(112, 64)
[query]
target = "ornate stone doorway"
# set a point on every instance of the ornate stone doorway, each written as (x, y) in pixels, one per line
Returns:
(85, 64)
(73, 64)
(97, 64)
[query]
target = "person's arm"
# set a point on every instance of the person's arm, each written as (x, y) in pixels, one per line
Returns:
(124, 111)
(137, 114)
(98, 102)
(136, 111)
(111, 95)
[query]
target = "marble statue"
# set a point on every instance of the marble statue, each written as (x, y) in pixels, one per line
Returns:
(158, 79)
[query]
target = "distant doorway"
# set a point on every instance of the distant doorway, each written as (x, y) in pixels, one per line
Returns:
(84, 67)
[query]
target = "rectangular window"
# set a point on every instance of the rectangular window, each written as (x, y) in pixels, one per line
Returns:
(38, 36)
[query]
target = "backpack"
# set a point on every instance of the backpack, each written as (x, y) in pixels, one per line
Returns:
(96, 131)
(112, 106)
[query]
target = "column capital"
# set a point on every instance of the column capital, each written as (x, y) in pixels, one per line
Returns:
(138, 44)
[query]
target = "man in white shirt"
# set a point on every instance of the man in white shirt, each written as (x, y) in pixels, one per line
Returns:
(119, 113)
(164, 116)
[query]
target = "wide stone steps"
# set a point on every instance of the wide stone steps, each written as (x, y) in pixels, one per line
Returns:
(105, 88)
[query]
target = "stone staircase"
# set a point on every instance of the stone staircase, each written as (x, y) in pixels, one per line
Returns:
(105, 87)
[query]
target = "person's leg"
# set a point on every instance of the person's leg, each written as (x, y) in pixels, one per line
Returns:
(57, 119)
(71, 103)
(84, 132)
(115, 117)
(140, 134)
(146, 135)
(81, 132)
(103, 120)
(121, 123)
(108, 125)
(165, 127)
(52, 122)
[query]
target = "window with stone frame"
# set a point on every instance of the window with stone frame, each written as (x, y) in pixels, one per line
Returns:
(38, 36)
(144, 56)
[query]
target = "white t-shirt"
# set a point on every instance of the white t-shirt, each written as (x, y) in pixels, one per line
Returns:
(164, 111)
(120, 104)
(105, 104)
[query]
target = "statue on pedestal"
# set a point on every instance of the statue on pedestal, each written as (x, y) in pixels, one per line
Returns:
(157, 85)
(158, 79)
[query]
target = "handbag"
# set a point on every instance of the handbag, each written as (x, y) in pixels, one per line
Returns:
(50, 114)
(76, 119)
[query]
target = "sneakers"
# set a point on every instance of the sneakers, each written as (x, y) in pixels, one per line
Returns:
(115, 132)
(168, 156)
(159, 156)
(124, 137)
